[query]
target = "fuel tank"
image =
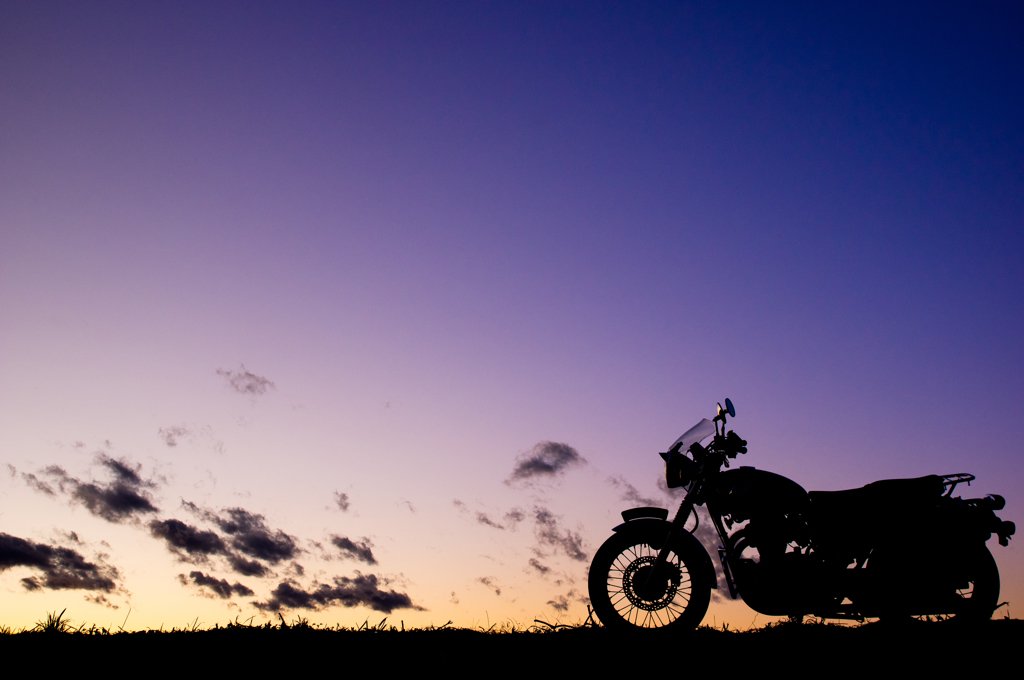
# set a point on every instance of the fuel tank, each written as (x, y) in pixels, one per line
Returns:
(746, 493)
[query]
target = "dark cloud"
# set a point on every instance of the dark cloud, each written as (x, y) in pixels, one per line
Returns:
(123, 471)
(220, 587)
(170, 435)
(37, 484)
(514, 517)
(490, 583)
(510, 519)
(114, 503)
(409, 505)
(631, 495)
(560, 603)
(101, 599)
(243, 535)
(69, 537)
(546, 459)
(362, 551)
(482, 518)
(247, 567)
(244, 382)
(187, 539)
(251, 536)
(549, 533)
(541, 569)
(455, 598)
(62, 568)
(362, 590)
(197, 510)
(122, 499)
(341, 500)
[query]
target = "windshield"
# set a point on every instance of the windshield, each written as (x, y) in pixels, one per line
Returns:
(702, 430)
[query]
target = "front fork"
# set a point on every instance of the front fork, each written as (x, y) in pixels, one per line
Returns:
(657, 573)
(723, 553)
(679, 525)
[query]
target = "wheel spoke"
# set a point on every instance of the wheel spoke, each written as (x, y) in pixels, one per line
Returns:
(624, 585)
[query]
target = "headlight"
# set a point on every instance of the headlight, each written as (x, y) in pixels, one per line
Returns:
(679, 470)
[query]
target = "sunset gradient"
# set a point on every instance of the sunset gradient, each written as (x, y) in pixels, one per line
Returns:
(330, 284)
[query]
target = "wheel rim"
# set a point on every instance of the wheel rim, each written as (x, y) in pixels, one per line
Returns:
(978, 598)
(626, 580)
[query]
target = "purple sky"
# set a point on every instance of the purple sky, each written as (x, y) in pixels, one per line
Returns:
(448, 233)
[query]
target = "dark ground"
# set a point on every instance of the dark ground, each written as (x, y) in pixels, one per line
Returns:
(803, 649)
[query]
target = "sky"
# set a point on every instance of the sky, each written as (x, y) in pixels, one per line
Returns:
(354, 310)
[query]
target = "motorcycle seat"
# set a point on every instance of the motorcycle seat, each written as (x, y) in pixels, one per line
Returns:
(881, 496)
(885, 491)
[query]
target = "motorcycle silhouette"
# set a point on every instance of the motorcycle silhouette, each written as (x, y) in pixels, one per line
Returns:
(893, 549)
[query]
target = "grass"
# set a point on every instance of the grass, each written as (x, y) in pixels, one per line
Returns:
(58, 623)
(242, 647)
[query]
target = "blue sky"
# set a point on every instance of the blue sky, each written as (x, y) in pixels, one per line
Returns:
(449, 234)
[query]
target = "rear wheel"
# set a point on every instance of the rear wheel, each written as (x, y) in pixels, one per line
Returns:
(973, 578)
(623, 594)
(979, 594)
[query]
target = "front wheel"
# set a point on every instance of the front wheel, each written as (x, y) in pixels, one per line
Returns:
(620, 592)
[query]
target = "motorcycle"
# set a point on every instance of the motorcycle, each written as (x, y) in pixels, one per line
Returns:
(891, 550)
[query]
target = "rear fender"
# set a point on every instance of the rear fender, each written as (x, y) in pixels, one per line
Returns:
(655, 524)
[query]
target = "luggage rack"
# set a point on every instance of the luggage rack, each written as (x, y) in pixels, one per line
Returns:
(952, 480)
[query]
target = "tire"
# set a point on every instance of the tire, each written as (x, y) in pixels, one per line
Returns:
(973, 602)
(980, 598)
(620, 569)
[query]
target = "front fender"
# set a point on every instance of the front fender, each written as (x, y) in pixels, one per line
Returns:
(660, 526)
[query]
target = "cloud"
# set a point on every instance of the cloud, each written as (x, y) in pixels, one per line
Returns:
(548, 532)
(341, 500)
(362, 590)
(69, 536)
(482, 518)
(101, 599)
(123, 471)
(560, 603)
(459, 505)
(37, 484)
(243, 535)
(455, 598)
(247, 567)
(186, 539)
(62, 568)
(514, 517)
(631, 495)
(32, 481)
(490, 583)
(251, 536)
(244, 382)
(171, 434)
(220, 587)
(116, 501)
(546, 459)
(541, 569)
(362, 551)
